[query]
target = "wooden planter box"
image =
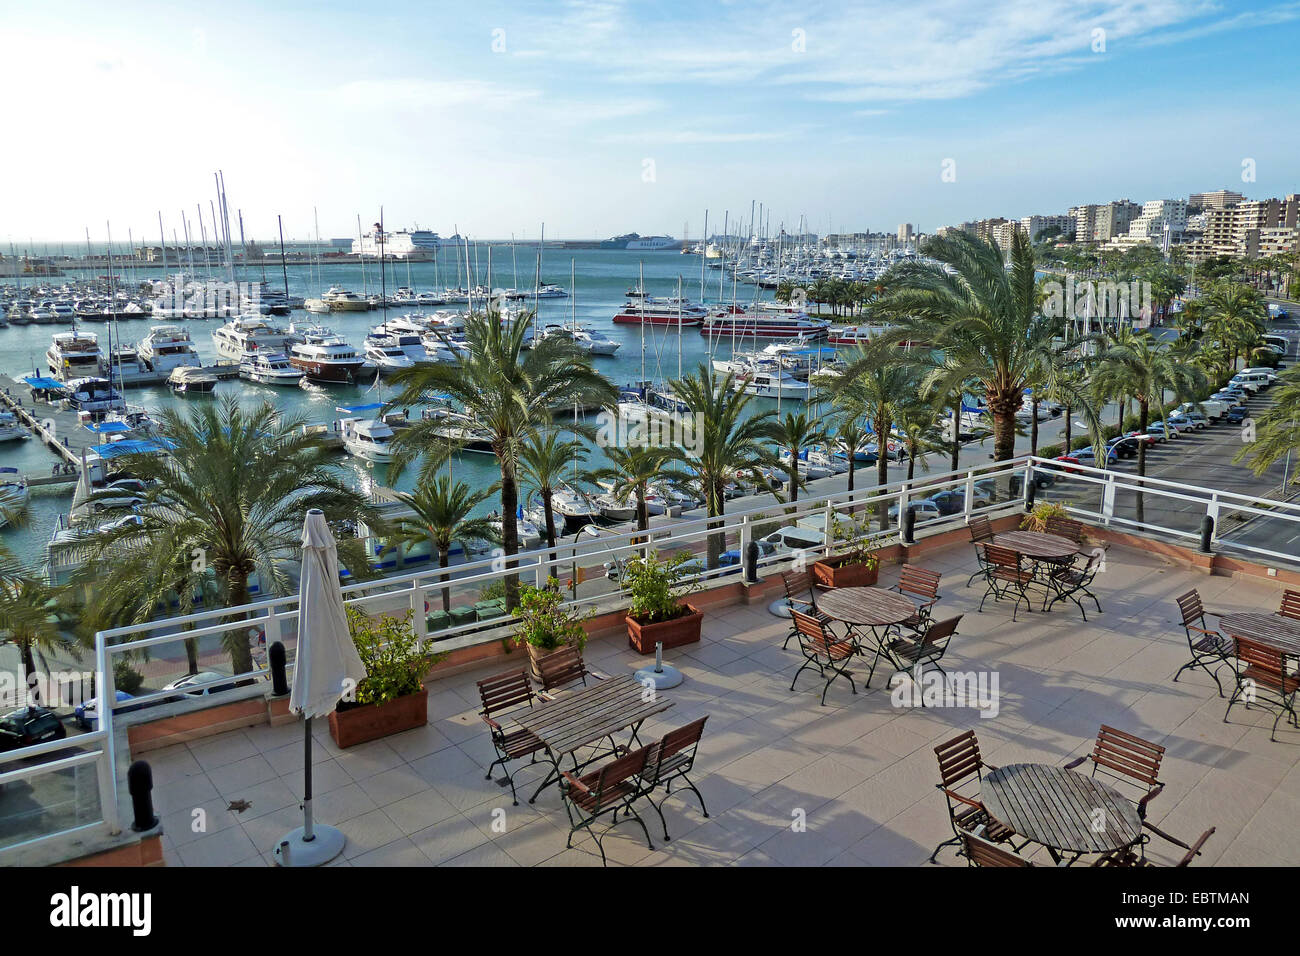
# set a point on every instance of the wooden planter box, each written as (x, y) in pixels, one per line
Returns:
(674, 633)
(356, 725)
(537, 654)
(832, 572)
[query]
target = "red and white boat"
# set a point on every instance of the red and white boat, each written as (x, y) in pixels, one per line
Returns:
(848, 336)
(653, 310)
(764, 325)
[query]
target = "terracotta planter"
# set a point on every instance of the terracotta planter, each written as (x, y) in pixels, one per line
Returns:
(356, 725)
(537, 654)
(832, 572)
(674, 633)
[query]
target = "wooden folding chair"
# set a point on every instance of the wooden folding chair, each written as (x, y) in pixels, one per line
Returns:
(911, 654)
(823, 651)
(981, 531)
(800, 595)
(1207, 646)
(980, 852)
(504, 695)
(961, 773)
(1003, 575)
(611, 789)
(922, 586)
(1127, 858)
(671, 758)
(1263, 678)
(564, 668)
(1290, 605)
(1067, 583)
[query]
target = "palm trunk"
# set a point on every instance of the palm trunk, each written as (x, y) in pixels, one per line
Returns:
(510, 533)
(955, 451)
(911, 463)
(1033, 429)
(29, 661)
(549, 512)
(192, 655)
(793, 472)
(1068, 412)
(852, 466)
(236, 639)
(882, 469)
(716, 507)
(444, 552)
(1142, 460)
(1003, 409)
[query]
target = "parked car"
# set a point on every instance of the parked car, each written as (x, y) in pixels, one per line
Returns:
(1142, 438)
(1065, 461)
(733, 556)
(953, 500)
(923, 508)
(1249, 385)
(1236, 415)
(86, 714)
(1123, 446)
(28, 726)
(1157, 430)
(1088, 456)
(1189, 422)
(204, 682)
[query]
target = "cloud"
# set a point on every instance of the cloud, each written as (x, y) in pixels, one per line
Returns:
(430, 94)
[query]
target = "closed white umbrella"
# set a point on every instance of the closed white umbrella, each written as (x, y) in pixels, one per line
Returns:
(327, 665)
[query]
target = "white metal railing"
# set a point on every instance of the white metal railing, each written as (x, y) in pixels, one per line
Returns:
(1000, 485)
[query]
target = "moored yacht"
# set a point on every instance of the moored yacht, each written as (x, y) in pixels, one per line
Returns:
(268, 368)
(191, 380)
(73, 355)
(385, 353)
(94, 396)
(650, 310)
(341, 300)
(246, 333)
(764, 325)
(168, 347)
(367, 438)
(323, 356)
(11, 429)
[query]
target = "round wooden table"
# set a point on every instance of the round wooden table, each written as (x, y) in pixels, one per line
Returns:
(1278, 632)
(1064, 811)
(865, 607)
(1037, 544)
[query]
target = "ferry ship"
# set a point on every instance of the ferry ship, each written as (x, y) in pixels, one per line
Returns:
(651, 310)
(245, 334)
(635, 242)
(168, 347)
(73, 355)
(402, 244)
(324, 356)
(768, 326)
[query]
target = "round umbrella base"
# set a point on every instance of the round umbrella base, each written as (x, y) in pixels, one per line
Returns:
(326, 844)
(779, 607)
(669, 677)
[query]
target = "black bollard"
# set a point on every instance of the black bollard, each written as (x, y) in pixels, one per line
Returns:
(139, 781)
(1031, 492)
(909, 526)
(279, 685)
(751, 562)
(1207, 533)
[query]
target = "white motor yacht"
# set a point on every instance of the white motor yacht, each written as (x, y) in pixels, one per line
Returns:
(268, 368)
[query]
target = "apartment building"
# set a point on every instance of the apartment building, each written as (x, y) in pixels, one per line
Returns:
(1249, 228)
(1101, 223)
(1036, 225)
(1219, 199)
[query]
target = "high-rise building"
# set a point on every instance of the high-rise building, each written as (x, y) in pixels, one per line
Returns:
(1034, 226)
(1158, 217)
(1101, 223)
(905, 233)
(1219, 199)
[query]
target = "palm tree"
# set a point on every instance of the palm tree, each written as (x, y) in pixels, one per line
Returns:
(851, 433)
(1277, 432)
(1234, 317)
(876, 384)
(727, 442)
(630, 470)
(918, 420)
(442, 514)
(508, 392)
(793, 433)
(1146, 369)
(227, 499)
(29, 618)
(984, 326)
(545, 458)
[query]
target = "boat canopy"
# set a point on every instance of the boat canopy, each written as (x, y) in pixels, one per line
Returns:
(117, 449)
(354, 409)
(108, 428)
(44, 383)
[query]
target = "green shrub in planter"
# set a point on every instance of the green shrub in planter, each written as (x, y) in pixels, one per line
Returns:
(395, 662)
(656, 588)
(126, 678)
(1081, 442)
(545, 622)
(1049, 451)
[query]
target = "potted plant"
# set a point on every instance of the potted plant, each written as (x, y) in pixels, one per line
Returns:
(657, 613)
(392, 697)
(857, 566)
(544, 624)
(1038, 516)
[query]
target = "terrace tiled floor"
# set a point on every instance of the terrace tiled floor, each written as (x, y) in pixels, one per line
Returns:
(861, 771)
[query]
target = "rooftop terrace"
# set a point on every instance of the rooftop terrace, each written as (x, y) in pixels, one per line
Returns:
(861, 771)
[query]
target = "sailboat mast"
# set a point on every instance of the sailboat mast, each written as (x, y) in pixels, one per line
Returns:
(284, 266)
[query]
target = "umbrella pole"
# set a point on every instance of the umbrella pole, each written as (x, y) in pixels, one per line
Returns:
(307, 834)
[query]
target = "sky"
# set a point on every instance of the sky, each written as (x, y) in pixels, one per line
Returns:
(600, 117)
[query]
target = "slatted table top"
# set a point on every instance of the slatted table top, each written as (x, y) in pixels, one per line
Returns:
(588, 714)
(1058, 808)
(865, 607)
(1036, 544)
(1278, 632)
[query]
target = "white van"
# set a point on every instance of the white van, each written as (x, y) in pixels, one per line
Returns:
(1258, 379)
(795, 538)
(1268, 373)
(1210, 409)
